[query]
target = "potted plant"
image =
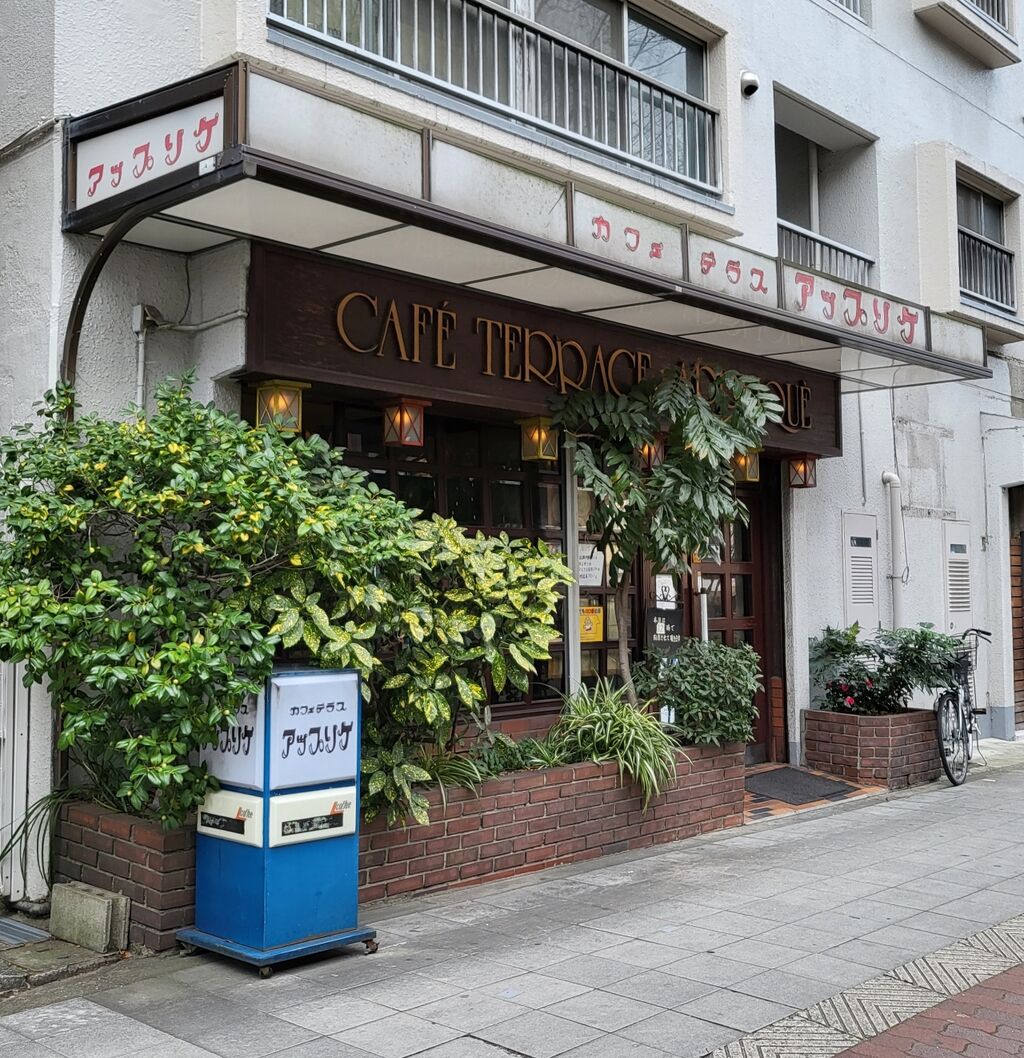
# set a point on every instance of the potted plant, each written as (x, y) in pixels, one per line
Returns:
(864, 727)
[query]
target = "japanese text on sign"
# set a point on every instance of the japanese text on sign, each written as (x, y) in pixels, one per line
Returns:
(118, 161)
(314, 725)
(732, 270)
(855, 309)
(237, 756)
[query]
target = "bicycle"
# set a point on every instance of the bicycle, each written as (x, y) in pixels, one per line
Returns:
(955, 708)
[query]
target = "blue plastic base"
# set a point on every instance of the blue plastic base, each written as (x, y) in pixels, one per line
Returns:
(269, 956)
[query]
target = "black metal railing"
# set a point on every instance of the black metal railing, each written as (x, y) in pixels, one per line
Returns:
(986, 270)
(807, 248)
(477, 49)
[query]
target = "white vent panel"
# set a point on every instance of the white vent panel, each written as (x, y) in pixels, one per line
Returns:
(860, 569)
(956, 552)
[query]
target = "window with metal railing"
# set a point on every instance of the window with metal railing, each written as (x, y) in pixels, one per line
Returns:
(853, 6)
(986, 264)
(997, 11)
(595, 71)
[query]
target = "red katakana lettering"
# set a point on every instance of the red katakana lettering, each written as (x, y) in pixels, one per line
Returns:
(145, 162)
(632, 239)
(829, 297)
(909, 319)
(95, 176)
(172, 144)
(758, 287)
(881, 318)
(707, 261)
(204, 134)
(656, 249)
(806, 284)
(860, 315)
(602, 228)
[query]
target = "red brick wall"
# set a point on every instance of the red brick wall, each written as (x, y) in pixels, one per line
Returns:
(894, 751)
(516, 823)
(123, 854)
(531, 820)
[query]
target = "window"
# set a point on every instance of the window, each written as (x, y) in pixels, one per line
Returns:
(979, 212)
(666, 56)
(596, 24)
(986, 264)
(813, 186)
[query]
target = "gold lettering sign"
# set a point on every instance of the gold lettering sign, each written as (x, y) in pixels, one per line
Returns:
(422, 334)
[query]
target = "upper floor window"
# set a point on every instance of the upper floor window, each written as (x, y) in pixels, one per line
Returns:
(986, 263)
(814, 187)
(596, 71)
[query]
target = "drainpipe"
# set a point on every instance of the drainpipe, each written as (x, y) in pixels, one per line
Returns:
(143, 317)
(898, 553)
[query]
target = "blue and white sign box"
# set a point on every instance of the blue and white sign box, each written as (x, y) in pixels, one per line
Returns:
(277, 847)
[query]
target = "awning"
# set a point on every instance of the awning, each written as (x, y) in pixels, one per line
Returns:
(242, 154)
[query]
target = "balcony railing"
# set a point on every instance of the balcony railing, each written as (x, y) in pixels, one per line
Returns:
(996, 10)
(802, 247)
(851, 5)
(986, 271)
(476, 49)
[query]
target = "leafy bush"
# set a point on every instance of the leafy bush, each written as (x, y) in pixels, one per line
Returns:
(708, 688)
(153, 568)
(877, 677)
(600, 724)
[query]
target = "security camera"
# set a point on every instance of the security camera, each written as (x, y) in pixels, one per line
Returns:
(749, 83)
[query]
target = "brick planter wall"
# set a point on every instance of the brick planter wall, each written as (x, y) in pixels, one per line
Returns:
(894, 751)
(516, 823)
(124, 854)
(531, 820)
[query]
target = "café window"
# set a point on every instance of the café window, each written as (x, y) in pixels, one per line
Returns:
(467, 470)
(599, 71)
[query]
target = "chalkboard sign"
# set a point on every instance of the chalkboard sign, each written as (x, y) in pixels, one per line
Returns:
(664, 630)
(314, 728)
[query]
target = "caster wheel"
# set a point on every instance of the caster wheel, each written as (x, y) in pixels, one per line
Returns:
(265, 972)
(185, 950)
(371, 946)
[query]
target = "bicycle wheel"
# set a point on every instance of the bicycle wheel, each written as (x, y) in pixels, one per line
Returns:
(953, 737)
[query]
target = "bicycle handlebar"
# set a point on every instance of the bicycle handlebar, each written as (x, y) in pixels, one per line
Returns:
(977, 632)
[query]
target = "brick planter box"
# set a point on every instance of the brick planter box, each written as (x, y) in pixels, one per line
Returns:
(124, 854)
(520, 822)
(895, 751)
(530, 820)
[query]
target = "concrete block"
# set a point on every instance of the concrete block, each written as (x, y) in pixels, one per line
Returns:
(90, 917)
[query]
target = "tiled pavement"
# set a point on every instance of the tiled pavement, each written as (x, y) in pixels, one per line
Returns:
(757, 806)
(674, 952)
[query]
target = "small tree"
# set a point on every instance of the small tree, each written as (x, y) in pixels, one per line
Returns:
(669, 510)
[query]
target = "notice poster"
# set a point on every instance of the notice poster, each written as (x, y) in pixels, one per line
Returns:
(591, 624)
(591, 566)
(314, 728)
(664, 630)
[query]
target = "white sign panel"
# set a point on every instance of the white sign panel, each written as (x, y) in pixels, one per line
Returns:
(237, 758)
(118, 161)
(591, 566)
(665, 595)
(855, 309)
(732, 270)
(232, 817)
(314, 728)
(295, 818)
(627, 237)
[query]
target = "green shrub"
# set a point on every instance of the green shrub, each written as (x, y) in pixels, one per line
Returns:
(708, 688)
(877, 677)
(599, 724)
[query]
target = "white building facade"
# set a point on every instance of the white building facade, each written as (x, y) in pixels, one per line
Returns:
(823, 192)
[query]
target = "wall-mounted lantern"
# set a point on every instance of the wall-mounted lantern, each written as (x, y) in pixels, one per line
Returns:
(280, 403)
(746, 467)
(803, 472)
(653, 452)
(539, 439)
(404, 422)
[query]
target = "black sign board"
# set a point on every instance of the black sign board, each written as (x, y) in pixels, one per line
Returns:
(664, 630)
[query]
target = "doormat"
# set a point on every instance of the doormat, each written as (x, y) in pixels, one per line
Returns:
(796, 787)
(13, 933)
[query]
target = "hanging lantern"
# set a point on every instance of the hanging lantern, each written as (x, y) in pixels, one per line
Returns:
(280, 403)
(653, 452)
(403, 422)
(539, 439)
(803, 472)
(746, 467)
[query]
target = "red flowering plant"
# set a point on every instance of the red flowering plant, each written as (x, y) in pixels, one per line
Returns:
(878, 676)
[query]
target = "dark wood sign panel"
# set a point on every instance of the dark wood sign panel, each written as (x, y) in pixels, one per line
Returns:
(385, 332)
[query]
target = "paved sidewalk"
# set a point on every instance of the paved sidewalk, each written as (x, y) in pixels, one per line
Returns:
(986, 1021)
(675, 952)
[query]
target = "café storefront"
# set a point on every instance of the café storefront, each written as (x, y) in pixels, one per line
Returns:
(420, 287)
(472, 369)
